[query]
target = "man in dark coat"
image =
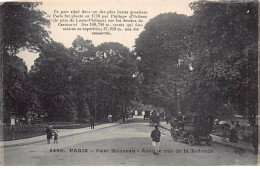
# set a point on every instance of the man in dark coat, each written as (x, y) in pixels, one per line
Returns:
(49, 134)
(233, 133)
(92, 122)
(255, 138)
(156, 134)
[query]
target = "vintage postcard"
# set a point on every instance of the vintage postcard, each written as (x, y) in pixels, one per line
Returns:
(129, 83)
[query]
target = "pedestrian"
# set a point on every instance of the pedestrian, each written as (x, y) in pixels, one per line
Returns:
(173, 121)
(92, 122)
(255, 138)
(55, 137)
(109, 118)
(224, 132)
(233, 133)
(167, 119)
(237, 124)
(49, 134)
(156, 134)
(238, 131)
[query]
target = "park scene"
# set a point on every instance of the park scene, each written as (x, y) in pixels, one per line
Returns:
(186, 93)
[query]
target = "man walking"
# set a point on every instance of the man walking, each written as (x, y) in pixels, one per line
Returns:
(92, 122)
(156, 134)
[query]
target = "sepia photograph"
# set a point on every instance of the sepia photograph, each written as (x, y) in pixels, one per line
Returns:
(129, 83)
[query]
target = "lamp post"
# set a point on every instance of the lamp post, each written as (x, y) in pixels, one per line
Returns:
(178, 100)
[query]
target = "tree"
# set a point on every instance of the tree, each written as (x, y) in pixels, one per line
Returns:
(85, 112)
(83, 50)
(163, 47)
(224, 48)
(120, 65)
(101, 78)
(15, 87)
(21, 27)
(51, 75)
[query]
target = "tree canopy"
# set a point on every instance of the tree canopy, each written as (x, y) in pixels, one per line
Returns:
(224, 47)
(22, 26)
(209, 58)
(163, 49)
(74, 83)
(206, 62)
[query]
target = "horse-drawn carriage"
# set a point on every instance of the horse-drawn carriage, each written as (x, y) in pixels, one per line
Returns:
(155, 118)
(147, 114)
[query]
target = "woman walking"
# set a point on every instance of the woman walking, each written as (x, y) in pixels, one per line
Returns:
(49, 134)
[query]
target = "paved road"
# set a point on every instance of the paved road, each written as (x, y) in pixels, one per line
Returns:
(107, 147)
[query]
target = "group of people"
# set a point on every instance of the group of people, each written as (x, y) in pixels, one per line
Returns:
(156, 134)
(52, 133)
(233, 128)
(233, 137)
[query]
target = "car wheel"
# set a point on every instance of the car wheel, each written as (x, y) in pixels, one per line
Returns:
(199, 141)
(209, 140)
(174, 136)
(191, 140)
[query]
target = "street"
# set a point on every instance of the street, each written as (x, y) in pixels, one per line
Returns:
(126, 144)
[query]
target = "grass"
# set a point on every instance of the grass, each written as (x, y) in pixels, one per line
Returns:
(17, 132)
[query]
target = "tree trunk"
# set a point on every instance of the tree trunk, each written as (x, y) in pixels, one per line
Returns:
(123, 110)
(258, 121)
(95, 104)
(1, 92)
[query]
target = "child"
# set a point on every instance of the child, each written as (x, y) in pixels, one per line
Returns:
(55, 137)
(156, 134)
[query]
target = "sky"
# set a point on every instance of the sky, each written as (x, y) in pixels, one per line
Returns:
(153, 8)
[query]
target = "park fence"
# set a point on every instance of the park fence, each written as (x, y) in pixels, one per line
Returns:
(22, 131)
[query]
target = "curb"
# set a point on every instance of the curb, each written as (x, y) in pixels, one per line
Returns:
(165, 128)
(43, 140)
(220, 143)
(235, 146)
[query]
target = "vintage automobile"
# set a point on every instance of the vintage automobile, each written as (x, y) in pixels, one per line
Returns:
(193, 128)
